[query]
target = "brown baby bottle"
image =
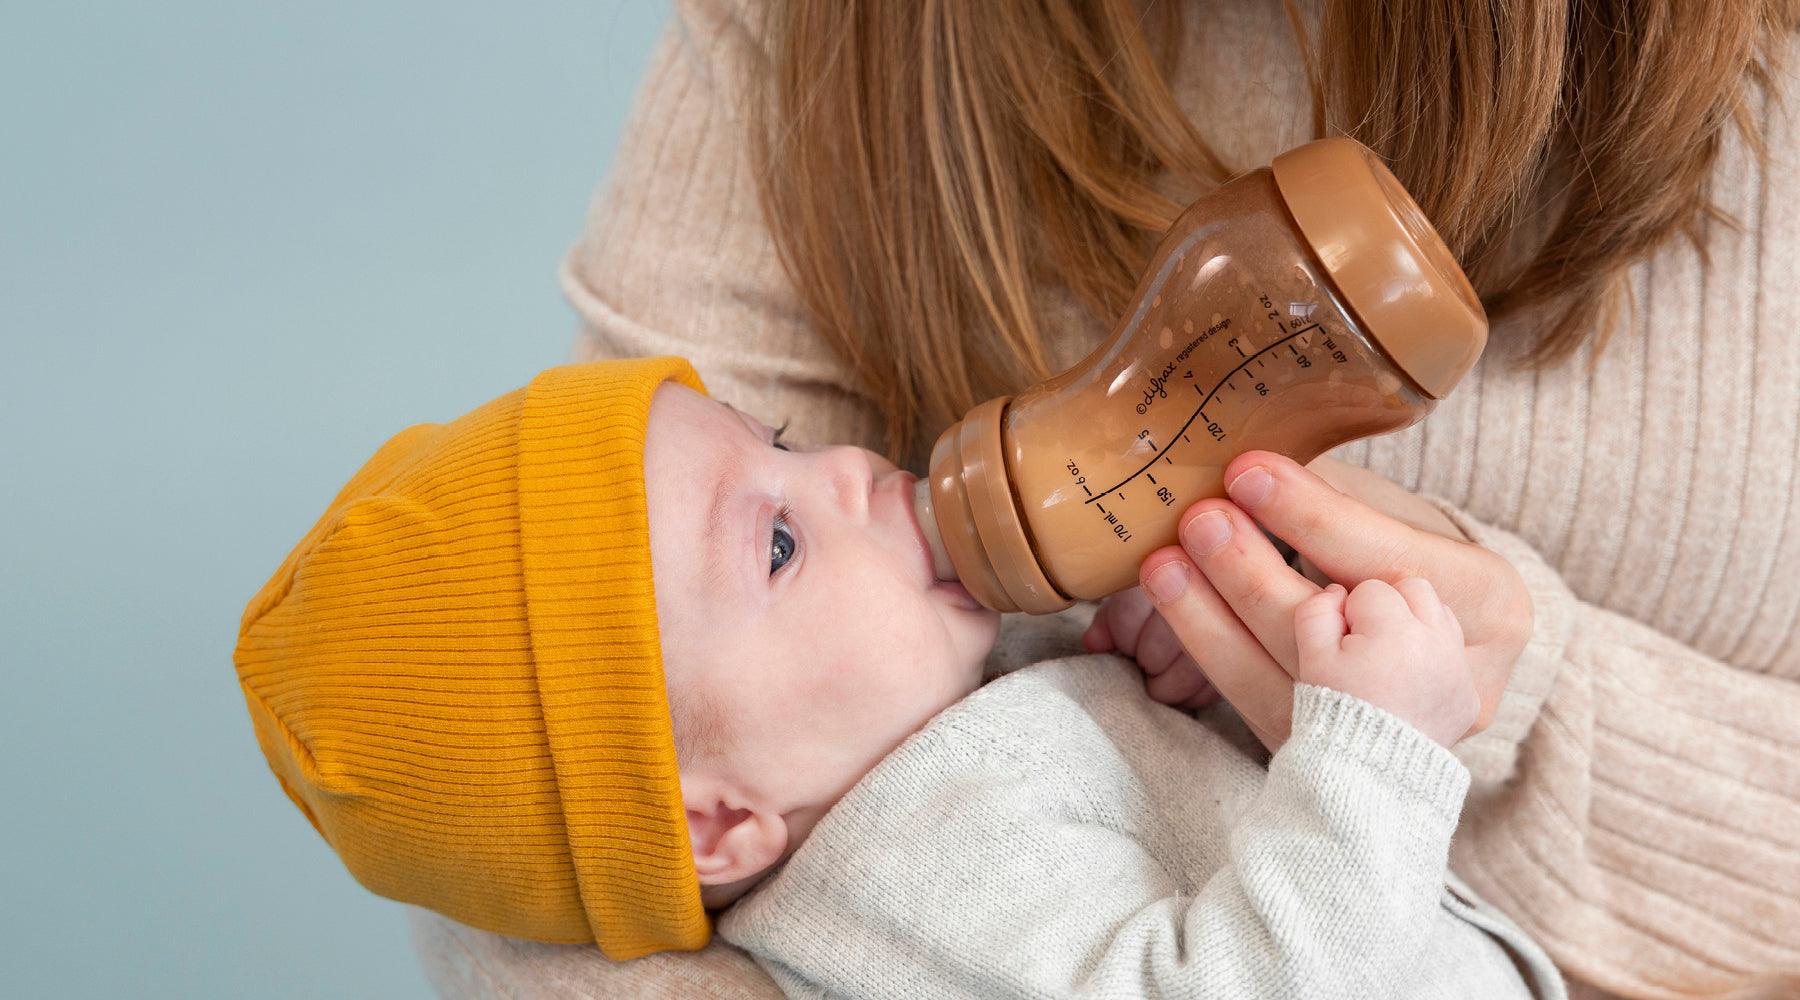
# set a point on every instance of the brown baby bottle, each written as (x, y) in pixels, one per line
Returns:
(1294, 308)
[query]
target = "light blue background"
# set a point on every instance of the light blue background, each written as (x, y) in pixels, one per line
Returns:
(240, 245)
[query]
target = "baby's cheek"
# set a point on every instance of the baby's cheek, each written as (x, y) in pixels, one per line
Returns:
(892, 659)
(856, 711)
(883, 673)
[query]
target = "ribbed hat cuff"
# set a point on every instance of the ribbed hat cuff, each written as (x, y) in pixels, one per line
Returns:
(585, 537)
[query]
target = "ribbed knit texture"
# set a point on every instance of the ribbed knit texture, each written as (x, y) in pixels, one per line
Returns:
(456, 674)
(1636, 807)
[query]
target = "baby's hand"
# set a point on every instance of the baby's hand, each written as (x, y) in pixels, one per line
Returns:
(1396, 647)
(1128, 624)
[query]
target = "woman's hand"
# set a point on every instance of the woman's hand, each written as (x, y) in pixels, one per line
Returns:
(1230, 598)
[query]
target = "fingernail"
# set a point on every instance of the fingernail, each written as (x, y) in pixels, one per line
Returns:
(1167, 582)
(1251, 487)
(1207, 532)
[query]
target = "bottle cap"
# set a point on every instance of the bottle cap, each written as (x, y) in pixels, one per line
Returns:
(1389, 264)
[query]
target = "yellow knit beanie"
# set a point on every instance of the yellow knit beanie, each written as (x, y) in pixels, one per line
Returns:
(456, 675)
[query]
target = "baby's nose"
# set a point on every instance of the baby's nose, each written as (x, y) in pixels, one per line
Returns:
(852, 479)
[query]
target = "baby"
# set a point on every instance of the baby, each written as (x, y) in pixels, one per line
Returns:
(606, 654)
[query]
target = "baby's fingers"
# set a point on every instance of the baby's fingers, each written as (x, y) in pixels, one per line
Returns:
(1183, 685)
(1208, 694)
(1119, 623)
(1158, 647)
(1098, 638)
(1170, 675)
(1422, 597)
(1319, 621)
(1375, 605)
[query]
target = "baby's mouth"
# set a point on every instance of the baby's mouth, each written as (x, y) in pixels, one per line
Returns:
(960, 594)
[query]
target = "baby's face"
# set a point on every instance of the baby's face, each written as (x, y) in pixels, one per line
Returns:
(793, 588)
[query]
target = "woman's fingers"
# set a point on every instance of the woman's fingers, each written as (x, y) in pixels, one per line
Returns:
(1244, 568)
(1351, 541)
(1237, 665)
(1346, 539)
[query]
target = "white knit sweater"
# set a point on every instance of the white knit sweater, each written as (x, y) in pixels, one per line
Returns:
(1058, 834)
(1636, 806)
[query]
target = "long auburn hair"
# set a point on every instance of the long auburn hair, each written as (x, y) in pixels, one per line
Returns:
(926, 166)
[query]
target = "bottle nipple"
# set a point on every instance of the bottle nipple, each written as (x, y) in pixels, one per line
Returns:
(941, 566)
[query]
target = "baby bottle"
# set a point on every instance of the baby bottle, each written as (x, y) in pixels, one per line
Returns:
(1296, 307)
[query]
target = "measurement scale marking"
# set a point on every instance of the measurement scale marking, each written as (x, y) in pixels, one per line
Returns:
(1181, 432)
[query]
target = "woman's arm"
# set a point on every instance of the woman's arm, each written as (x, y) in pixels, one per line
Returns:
(1647, 827)
(676, 258)
(1634, 805)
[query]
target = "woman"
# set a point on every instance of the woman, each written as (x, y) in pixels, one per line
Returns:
(867, 218)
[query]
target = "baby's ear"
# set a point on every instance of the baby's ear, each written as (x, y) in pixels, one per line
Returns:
(733, 837)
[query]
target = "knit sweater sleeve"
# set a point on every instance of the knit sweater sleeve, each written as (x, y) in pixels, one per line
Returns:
(967, 870)
(676, 257)
(1577, 790)
(1333, 870)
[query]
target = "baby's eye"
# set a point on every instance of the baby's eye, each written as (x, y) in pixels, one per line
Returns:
(781, 543)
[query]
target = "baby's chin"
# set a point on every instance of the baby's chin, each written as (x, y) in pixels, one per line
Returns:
(956, 664)
(985, 629)
(969, 627)
(978, 622)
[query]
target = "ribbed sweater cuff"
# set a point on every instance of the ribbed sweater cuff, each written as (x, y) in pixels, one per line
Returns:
(1342, 728)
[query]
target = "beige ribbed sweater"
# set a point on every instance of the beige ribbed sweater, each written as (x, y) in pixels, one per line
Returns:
(1636, 806)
